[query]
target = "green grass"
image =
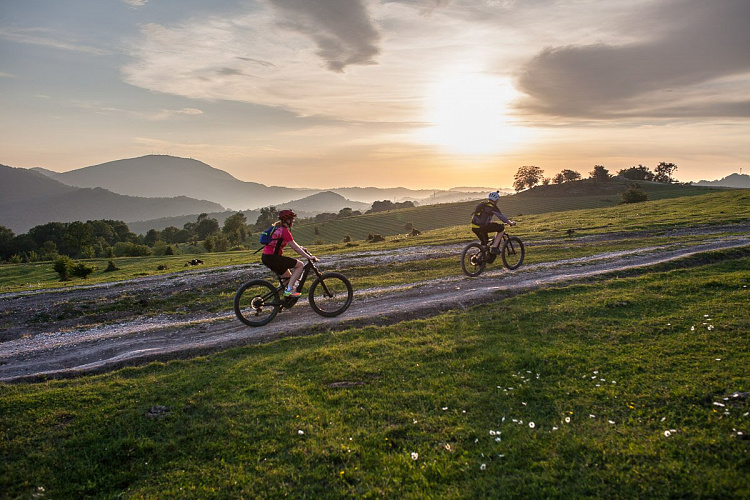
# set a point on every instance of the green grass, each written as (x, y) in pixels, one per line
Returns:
(717, 207)
(542, 199)
(339, 414)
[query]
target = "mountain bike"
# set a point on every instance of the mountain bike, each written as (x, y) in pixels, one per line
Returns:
(258, 301)
(477, 255)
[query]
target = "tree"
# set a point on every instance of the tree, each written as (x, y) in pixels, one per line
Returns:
(268, 215)
(570, 175)
(558, 178)
(235, 228)
(6, 242)
(206, 227)
(527, 176)
(152, 236)
(663, 172)
(639, 173)
(600, 174)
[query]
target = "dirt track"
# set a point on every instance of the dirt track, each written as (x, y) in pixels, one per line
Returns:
(49, 349)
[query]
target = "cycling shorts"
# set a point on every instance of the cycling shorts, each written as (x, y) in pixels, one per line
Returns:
(278, 263)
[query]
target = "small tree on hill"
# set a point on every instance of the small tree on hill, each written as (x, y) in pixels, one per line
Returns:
(663, 172)
(570, 175)
(527, 176)
(268, 215)
(600, 174)
(639, 173)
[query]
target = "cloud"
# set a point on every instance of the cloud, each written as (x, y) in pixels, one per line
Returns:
(313, 62)
(693, 49)
(136, 3)
(342, 29)
(39, 36)
(165, 114)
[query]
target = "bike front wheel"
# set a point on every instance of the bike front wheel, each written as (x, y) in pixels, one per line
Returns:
(473, 260)
(256, 303)
(331, 294)
(513, 252)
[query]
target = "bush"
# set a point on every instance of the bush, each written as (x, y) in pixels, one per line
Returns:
(346, 239)
(169, 250)
(128, 249)
(111, 266)
(81, 270)
(63, 265)
(634, 194)
(376, 238)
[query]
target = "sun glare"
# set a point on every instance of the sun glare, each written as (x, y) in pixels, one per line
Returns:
(469, 115)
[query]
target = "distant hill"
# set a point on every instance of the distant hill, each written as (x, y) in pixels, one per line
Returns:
(168, 176)
(731, 181)
(326, 201)
(309, 206)
(28, 199)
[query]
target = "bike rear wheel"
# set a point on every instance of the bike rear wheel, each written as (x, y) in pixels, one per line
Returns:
(473, 259)
(256, 302)
(513, 252)
(331, 294)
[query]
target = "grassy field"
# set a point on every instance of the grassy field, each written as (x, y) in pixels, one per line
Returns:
(542, 199)
(616, 389)
(716, 207)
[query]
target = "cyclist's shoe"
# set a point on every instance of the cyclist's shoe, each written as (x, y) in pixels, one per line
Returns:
(291, 293)
(495, 251)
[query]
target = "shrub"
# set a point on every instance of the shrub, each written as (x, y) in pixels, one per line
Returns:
(169, 250)
(376, 238)
(111, 266)
(634, 194)
(63, 265)
(346, 239)
(81, 270)
(128, 249)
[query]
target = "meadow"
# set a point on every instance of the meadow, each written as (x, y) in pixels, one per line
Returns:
(632, 385)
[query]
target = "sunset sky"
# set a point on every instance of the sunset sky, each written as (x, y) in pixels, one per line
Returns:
(414, 93)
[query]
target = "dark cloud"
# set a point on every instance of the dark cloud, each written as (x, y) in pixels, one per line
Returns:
(342, 29)
(692, 42)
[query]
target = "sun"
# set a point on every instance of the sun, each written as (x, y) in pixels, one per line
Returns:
(469, 114)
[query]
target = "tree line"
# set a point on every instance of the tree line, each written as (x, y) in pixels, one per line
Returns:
(529, 176)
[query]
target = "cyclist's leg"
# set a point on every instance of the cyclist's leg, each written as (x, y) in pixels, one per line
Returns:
(481, 234)
(496, 226)
(296, 272)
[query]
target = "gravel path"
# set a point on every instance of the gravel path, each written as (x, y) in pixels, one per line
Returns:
(73, 347)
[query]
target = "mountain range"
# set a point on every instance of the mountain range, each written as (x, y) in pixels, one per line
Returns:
(28, 199)
(168, 176)
(730, 181)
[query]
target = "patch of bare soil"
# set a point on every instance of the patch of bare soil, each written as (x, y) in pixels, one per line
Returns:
(40, 343)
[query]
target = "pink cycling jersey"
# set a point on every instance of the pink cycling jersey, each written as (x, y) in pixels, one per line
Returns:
(282, 233)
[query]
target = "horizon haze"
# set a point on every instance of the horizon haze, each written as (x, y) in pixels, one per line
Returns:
(421, 94)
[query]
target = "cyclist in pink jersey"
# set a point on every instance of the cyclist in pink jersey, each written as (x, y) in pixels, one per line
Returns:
(273, 256)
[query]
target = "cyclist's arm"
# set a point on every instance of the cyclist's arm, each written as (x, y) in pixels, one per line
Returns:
(502, 217)
(302, 251)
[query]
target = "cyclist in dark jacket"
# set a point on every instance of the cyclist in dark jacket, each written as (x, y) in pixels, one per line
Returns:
(481, 222)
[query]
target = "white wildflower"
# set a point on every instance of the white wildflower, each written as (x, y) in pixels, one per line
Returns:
(483, 467)
(414, 455)
(667, 433)
(567, 420)
(532, 424)
(300, 432)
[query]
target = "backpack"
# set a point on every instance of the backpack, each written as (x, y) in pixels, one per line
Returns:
(267, 235)
(479, 216)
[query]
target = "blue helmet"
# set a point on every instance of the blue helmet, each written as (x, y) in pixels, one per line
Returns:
(494, 196)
